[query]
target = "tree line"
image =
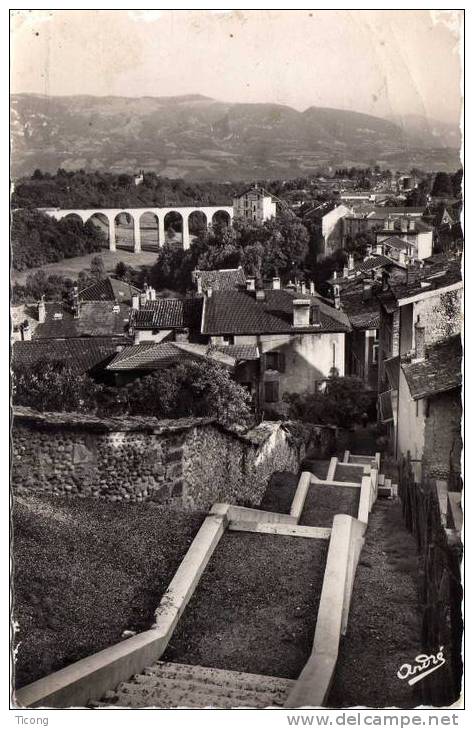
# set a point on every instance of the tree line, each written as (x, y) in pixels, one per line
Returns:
(37, 239)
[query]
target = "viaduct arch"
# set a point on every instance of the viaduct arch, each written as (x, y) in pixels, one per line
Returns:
(111, 214)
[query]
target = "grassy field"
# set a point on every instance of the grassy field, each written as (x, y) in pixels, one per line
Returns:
(85, 571)
(70, 267)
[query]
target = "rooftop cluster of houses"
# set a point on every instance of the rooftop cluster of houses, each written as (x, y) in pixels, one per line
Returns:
(340, 222)
(391, 320)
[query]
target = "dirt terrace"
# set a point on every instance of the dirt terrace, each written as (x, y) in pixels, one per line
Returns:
(255, 607)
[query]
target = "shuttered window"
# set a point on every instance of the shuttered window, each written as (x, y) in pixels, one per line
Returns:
(271, 392)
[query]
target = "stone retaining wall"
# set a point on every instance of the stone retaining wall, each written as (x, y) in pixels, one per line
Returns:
(190, 462)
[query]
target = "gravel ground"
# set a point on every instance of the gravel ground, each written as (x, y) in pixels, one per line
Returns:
(85, 571)
(255, 607)
(280, 492)
(349, 473)
(385, 622)
(324, 502)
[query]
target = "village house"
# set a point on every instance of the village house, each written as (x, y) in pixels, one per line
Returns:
(430, 406)
(299, 339)
(255, 205)
(82, 355)
(219, 280)
(100, 309)
(329, 221)
(419, 309)
(366, 218)
(412, 237)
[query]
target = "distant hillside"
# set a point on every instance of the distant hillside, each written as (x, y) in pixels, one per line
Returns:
(195, 137)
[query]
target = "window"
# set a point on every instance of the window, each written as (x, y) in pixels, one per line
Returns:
(228, 339)
(274, 361)
(271, 392)
(375, 353)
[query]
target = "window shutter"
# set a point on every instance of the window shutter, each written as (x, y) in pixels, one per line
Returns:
(281, 362)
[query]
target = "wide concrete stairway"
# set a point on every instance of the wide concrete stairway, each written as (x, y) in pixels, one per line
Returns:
(174, 685)
(171, 685)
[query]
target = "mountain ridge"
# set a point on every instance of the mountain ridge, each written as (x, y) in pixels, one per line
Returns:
(196, 137)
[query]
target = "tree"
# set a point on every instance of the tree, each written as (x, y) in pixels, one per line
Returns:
(98, 272)
(442, 185)
(191, 388)
(53, 386)
(344, 401)
(122, 270)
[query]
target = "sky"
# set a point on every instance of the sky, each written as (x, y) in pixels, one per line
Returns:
(385, 63)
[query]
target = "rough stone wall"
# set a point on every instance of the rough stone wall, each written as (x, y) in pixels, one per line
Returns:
(189, 462)
(238, 470)
(118, 466)
(440, 315)
(443, 439)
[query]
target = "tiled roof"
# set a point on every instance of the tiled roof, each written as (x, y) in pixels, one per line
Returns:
(81, 354)
(147, 356)
(374, 262)
(440, 370)
(437, 272)
(221, 280)
(109, 289)
(384, 211)
(153, 356)
(395, 242)
(419, 227)
(240, 351)
(169, 314)
(362, 314)
(239, 312)
(96, 319)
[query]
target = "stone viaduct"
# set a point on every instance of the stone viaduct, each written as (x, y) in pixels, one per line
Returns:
(110, 215)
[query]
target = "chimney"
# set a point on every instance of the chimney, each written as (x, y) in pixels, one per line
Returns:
(152, 293)
(337, 296)
(41, 311)
(334, 274)
(379, 249)
(135, 302)
(199, 283)
(403, 225)
(367, 291)
(368, 252)
(303, 288)
(251, 283)
(182, 336)
(276, 283)
(301, 312)
(209, 292)
(316, 316)
(350, 263)
(25, 331)
(419, 341)
(345, 272)
(260, 295)
(312, 288)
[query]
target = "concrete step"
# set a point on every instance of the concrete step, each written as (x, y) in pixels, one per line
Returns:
(168, 685)
(385, 491)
